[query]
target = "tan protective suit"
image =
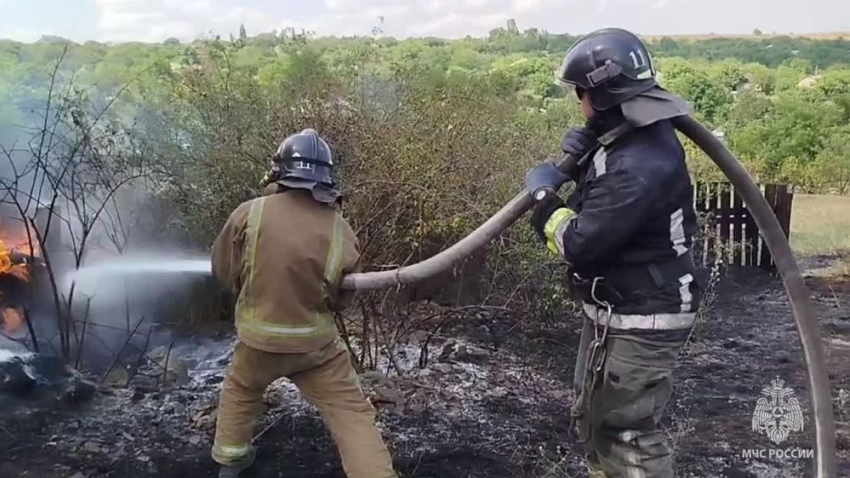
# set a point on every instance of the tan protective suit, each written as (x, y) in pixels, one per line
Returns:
(284, 256)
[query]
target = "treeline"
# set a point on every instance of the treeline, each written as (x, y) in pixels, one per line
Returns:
(770, 52)
(781, 102)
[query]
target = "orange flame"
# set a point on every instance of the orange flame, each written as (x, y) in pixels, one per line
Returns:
(18, 237)
(7, 265)
(18, 242)
(18, 245)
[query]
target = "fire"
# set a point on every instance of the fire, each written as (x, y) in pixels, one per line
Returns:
(18, 237)
(18, 246)
(18, 243)
(11, 321)
(8, 265)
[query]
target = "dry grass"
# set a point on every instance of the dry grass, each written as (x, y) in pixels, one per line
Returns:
(820, 224)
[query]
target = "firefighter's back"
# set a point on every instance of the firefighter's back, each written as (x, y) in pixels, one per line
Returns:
(294, 252)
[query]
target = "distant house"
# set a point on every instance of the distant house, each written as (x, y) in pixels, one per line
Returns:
(809, 82)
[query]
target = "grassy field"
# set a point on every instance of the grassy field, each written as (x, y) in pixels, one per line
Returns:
(820, 224)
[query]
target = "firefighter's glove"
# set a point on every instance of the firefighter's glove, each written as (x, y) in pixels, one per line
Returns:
(549, 221)
(577, 142)
(544, 180)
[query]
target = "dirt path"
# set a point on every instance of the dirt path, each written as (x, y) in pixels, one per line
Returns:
(483, 407)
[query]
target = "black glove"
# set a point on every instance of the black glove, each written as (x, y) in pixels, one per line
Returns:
(543, 180)
(543, 210)
(577, 142)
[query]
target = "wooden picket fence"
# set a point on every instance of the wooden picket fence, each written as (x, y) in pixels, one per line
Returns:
(740, 241)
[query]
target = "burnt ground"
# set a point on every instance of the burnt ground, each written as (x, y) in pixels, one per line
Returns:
(493, 402)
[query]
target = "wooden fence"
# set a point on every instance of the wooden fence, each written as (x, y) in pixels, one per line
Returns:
(731, 222)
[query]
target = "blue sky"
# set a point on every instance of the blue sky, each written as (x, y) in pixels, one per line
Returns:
(155, 20)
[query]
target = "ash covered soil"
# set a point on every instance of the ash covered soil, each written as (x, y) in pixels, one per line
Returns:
(492, 402)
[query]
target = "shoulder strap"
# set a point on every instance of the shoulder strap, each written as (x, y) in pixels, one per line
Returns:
(615, 134)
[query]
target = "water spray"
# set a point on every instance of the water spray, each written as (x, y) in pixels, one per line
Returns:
(129, 266)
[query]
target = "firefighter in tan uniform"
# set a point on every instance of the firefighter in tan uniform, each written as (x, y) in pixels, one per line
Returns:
(284, 255)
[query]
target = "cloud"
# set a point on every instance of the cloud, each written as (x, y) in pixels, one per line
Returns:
(403, 18)
(605, 5)
(449, 25)
(156, 20)
(526, 6)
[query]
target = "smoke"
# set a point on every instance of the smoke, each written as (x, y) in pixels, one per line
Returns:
(130, 271)
(84, 183)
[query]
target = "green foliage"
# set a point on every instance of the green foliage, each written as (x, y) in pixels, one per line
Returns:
(796, 127)
(729, 74)
(833, 161)
(770, 52)
(760, 77)
(748, 106)
(709, 96)
(834, 82)
(777, 99)
(534, 76)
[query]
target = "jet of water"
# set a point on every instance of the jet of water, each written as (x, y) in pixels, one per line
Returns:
(137, 266)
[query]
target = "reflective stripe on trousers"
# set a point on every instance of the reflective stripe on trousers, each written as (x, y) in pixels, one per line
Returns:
(673, 321)
(232, 453)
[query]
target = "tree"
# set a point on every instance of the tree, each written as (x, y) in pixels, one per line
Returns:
(794, 129)
(243, 34)
(709, 98)
(834, 82)
(757, 32)
(749, 106)
(729, 74)
(760, 77)
(833, 162)
(533, 74)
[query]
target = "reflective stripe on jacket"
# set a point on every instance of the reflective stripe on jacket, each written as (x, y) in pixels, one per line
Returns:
(634, 210)
(284, 256)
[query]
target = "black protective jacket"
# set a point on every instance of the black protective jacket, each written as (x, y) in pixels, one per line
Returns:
(636, 222)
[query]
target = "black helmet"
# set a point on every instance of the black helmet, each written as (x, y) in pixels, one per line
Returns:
(304, 161)
(612, 65)
(303, 157)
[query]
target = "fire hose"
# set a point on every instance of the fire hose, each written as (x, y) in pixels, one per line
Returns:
(825, 463)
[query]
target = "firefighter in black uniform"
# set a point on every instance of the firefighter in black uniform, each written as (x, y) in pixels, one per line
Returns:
(626, 235)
